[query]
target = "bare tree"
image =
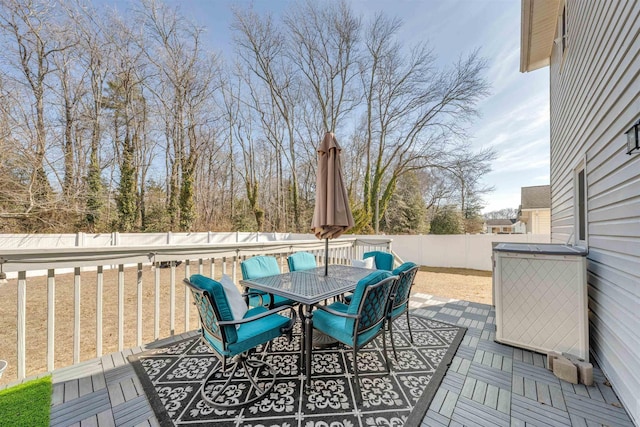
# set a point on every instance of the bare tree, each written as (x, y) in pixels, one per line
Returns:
(31, 50)
(183, 87)
(467, 170)
(413, 109)
(263, 49)
(324, 46)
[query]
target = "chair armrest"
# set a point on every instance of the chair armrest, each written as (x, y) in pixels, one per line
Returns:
(256, 317)
(248, 294)
(337, 313)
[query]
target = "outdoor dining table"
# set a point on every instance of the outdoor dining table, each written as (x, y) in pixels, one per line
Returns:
(309, 287)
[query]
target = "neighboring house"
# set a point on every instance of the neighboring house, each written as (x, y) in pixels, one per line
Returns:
(499, 226)
(592, 49)
(535, 209)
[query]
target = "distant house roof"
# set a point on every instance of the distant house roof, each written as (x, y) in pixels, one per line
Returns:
(498, 222)
(538, 197)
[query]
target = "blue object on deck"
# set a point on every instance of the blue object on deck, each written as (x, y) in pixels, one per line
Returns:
(229, 337)
(262, 266)
(300, 261)
(359, 322)
(384, 260)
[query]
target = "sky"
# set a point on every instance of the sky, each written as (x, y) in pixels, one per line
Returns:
(514, 118)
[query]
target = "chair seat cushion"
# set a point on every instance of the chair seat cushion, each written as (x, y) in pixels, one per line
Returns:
(255, 333)
(336, 326)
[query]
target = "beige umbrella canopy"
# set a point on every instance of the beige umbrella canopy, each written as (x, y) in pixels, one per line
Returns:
(332, 214)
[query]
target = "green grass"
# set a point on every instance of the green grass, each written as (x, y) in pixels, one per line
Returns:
(26, 404)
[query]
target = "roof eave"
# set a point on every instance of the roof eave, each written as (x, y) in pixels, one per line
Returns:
(537, 30)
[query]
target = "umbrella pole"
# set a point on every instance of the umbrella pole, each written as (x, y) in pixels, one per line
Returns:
(326, 256)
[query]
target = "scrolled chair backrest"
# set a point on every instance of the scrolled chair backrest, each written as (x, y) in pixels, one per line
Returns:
(369, 302)
(213, 307)
(407, 274)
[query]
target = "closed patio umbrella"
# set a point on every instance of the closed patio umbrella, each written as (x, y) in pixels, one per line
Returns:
(332, 214)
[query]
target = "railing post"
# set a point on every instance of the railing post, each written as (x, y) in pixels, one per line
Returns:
(99, 286)
(172, 300)
(22, 323)
(234, 270)
(120, 307)
(156, 310)
(187, 273)
(76, 315)
(51, 319)
(139, 286)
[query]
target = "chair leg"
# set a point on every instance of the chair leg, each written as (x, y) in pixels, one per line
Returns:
(384, 348)
(409, 326)
(224, 398)
(356, 380)
(393, 344)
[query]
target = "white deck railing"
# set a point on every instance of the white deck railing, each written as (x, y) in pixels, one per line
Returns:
(216, 258)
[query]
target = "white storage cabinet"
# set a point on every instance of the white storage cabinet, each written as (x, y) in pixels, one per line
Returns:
(541, 297)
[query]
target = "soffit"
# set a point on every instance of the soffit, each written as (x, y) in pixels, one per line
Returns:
(537, 31)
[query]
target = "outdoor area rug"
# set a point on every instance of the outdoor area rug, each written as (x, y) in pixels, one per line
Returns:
(172, 378)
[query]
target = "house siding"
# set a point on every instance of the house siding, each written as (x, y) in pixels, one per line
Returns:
(595, 98)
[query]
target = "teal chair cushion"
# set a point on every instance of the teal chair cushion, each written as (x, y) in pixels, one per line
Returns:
(342, 328)
(215, 289)
(251, 334)
(258, 331)
(406, 266)
(384, 260)
(259, 266)
(262, 266)
(301, 261)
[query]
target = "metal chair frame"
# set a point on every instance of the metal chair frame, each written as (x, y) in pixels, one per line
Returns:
(406, 279)
(389, 284)
(243, 361)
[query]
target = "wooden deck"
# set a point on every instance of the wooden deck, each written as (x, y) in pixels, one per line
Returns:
(487, 384)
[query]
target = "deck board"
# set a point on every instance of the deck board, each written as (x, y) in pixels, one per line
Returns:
(487, 384)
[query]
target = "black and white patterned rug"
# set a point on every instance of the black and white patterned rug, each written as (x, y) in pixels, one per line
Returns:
(172, 378)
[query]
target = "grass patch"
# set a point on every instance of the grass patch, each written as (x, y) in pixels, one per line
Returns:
(27, 404)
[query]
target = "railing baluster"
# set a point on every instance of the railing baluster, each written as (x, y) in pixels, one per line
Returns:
(156, 309)
(99, 289)
(139, 282)
(234, 269)
(212, 267)
(200, 266)
(22, 324)
(172, 299)
(76, 315)
(120, 307)
(51, 319)
(224, 265)
(187, 274)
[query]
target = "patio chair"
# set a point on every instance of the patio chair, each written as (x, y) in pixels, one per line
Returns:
(359, 322)
(399, 302)
(384, 260)
(300, 261)
(255, 268)
(236, 338)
